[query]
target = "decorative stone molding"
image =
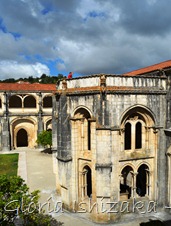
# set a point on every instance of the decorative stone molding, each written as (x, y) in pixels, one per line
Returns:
(103, 80)
(64, 84)
(64, 159)
(103, 166)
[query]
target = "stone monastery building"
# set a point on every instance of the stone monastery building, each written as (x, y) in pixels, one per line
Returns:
(112, 134)
(25, 110)
(114, 141)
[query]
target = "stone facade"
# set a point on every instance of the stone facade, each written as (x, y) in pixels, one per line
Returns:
(113, 142)
(25, 110)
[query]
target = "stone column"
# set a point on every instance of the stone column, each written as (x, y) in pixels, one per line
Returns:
(5, 126)
(54, 123)
(40, 112)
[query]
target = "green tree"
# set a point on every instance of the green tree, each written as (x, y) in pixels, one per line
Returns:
(17, 202)
(45, 138)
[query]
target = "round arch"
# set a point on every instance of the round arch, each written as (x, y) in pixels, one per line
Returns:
(127, 181)
(48, 124)
(22, 138)
(128, 164)
(143, 163)
(145, 113)
(27, 125)
(87, 181)
(29, 101)
(83, 116)
(15, 101)
(84, 108)
(47, 101)
(142, 180)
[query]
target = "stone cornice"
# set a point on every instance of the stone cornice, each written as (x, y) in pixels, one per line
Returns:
(103, 166)
(112, 90)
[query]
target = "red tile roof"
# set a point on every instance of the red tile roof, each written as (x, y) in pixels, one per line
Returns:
(155, 67)
(27, 87)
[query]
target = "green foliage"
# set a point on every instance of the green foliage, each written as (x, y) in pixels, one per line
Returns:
(45, 138)
(9, 164)
(45, 79)
(16, 201)
(14, 196)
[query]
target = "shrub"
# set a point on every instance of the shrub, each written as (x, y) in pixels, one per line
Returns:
(17, 202)
(45, 138)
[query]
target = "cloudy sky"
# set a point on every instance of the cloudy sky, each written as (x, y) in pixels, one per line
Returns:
(83, 36)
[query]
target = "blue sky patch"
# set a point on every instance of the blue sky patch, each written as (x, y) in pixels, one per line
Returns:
(96, 14)
(4, 29)
(47, 8)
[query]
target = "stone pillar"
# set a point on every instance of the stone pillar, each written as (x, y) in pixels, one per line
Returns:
(54, 123)
(5, 126)
(63, 129)
(40, 112)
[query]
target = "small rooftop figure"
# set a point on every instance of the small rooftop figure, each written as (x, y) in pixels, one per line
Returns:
(70, 75)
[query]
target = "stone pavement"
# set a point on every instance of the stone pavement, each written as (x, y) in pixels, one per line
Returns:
(36, 168)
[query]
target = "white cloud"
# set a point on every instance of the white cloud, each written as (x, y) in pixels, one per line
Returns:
(13, 69)
(89, 36)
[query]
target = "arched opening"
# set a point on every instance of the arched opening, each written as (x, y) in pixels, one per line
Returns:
(87, 182)
(138, 135)
(126, 182)
(142, 181)
(84, 126)
(47, 102)
(15, 102)
(127, 138)
(49, 125)
(29, 102)
(135, 134)
(22, 138)
(0, 103)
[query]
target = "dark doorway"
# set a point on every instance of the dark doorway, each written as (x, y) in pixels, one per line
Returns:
(22, 138)
(88, 181)
(142, 180)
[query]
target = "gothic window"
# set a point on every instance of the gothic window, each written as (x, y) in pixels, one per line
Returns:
(15, 102)
(29, 102)
(127, 136)
(47, 102)
(133, 133)
(138, 135)
(86, 182)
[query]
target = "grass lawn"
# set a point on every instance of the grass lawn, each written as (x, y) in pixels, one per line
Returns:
(9, 164)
